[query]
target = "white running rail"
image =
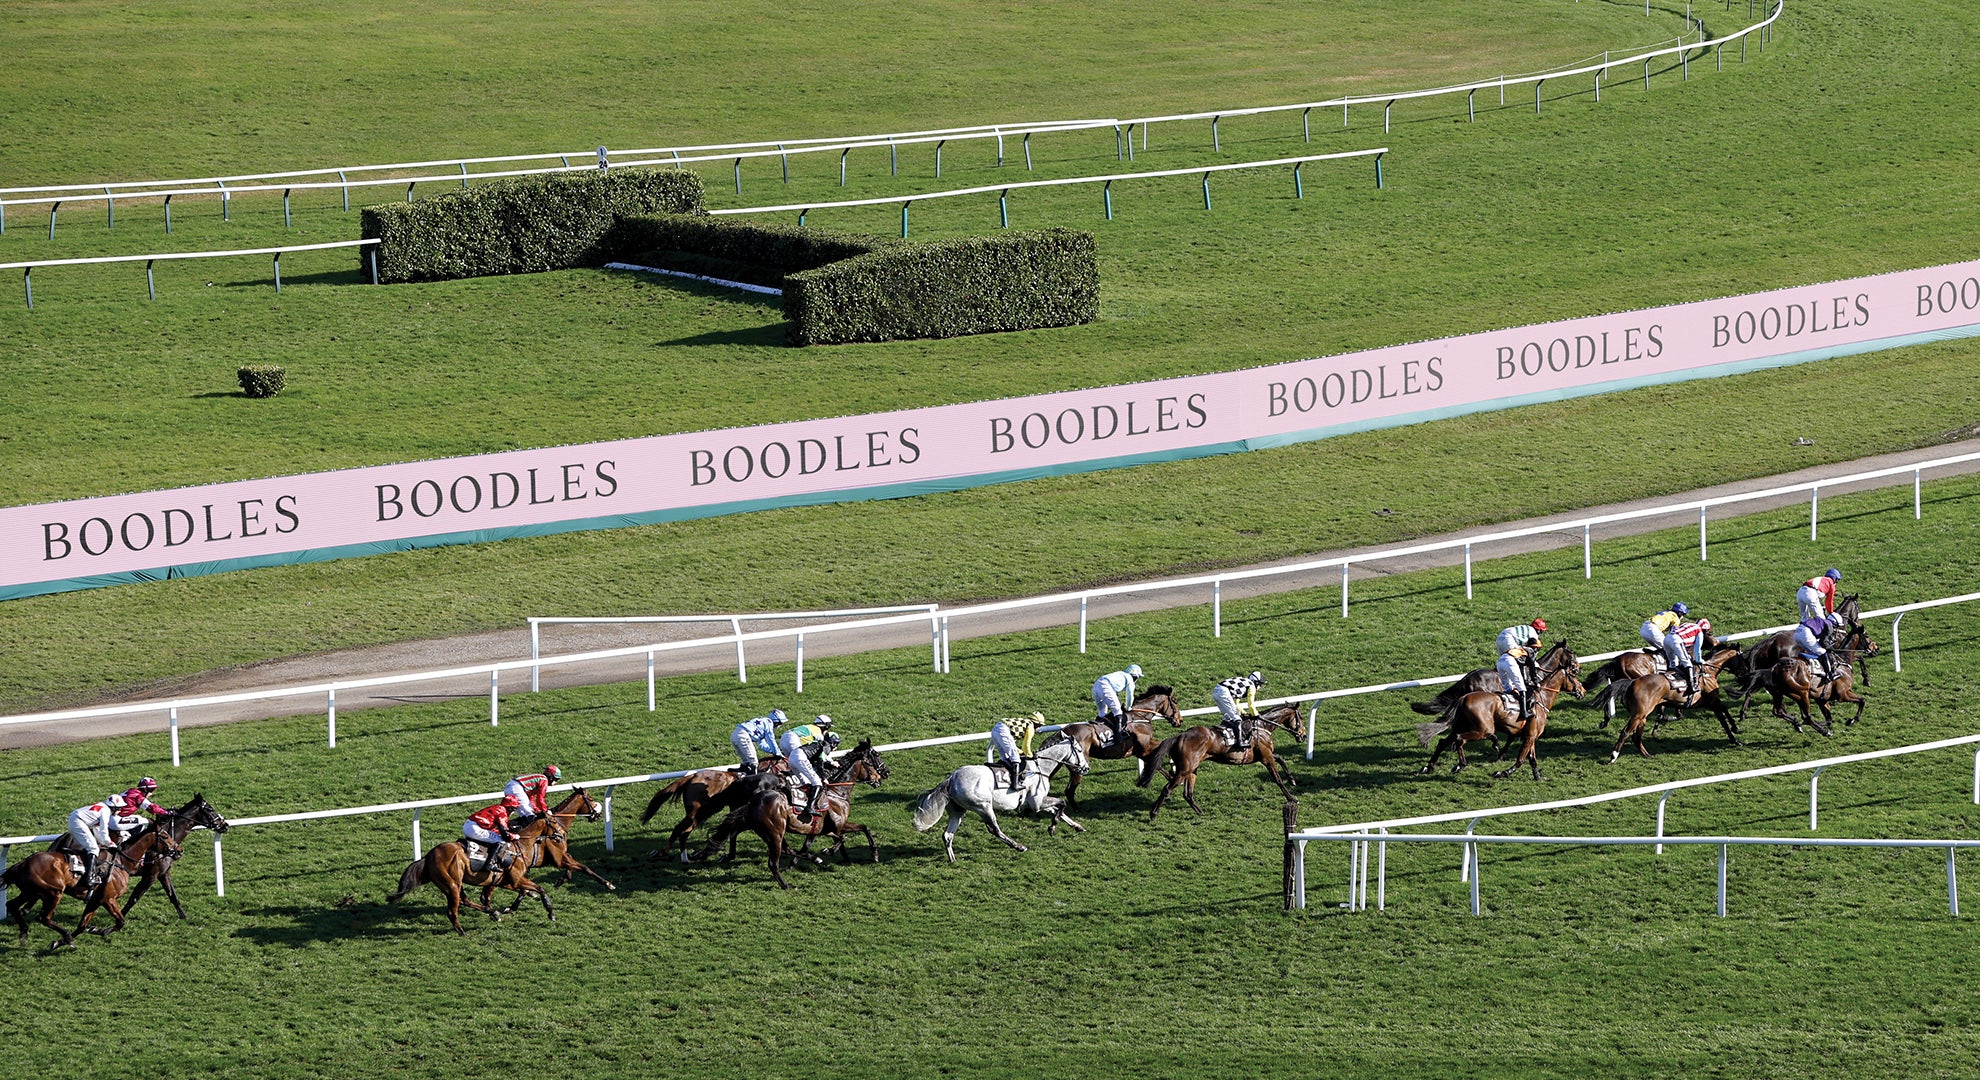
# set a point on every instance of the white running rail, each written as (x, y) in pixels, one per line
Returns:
(537, 623)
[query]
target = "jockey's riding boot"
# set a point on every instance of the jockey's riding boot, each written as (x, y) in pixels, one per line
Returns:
(1016, 769)
(812, 795)
(89, 859)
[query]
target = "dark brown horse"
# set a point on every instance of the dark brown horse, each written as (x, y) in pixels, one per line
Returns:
(1802, 681)
(1637, 664)
(1774, 648)
(704, 794)
(1482, 680)
(1140, 742)
(555, 850)
(1186, 751)
(1649, 693)
(767, 812)
(1482, 715)
(176, 824)
(45, 877)
(448, 868)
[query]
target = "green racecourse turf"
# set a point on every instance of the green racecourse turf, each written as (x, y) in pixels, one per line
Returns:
(1766, 174)
(1132, 949)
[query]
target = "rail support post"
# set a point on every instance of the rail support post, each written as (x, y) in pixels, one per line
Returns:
(1701, 534)
(415, 832)
(1814, 503)
(1722, 880)
(1206, 191)
(494, 697)
(150, 283)
(220, 869)
(1897, 655)
(1467, 571)
(168, 215)
(1917, 496)
(1464, 858)
(800, 664)
(1952, 880)
(1217, 608)
(1299, 187)
(1814, 785)
(1306, 124)
(1474, 880)
(288, 221)
(1344, 590)
(1004, 207)
(1107, 198)
(1661, 800)
(57, 205)
(27, 283)
(173, 722)
(608, 815)
(1082, 622)
(278, 273)
(742, 670)
(331, 715)
(1289, 878)
(651, 689)
(1587, 554)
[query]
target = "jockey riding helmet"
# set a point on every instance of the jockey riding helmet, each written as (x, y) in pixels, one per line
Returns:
(777, 716)
(831, 740)
(147, 784)
(1832, 574)
(1539, 624)
(1680, 608)
(552, 773)
(1134, 670)
(824, 721)
(1258, 678)
(1038, 716)
(511, 802)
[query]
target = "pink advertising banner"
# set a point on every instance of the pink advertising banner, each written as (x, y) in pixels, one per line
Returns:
(674, 476)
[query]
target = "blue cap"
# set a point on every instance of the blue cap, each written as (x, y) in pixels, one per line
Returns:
(1680, 608)
(1832, 574)
(777, 716)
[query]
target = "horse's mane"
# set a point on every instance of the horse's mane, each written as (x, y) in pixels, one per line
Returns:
(1158, 691)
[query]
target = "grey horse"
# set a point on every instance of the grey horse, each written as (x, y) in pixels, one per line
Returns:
(981, 789)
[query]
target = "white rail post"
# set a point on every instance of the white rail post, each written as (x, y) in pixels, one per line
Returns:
(1701, 534)
(1299, 877)
(3, 858)
(535, 650)
(175, 736)
(1722, 881)
(1917, 503)
(1814, 497)
(1217, 608)
(417, 850)
(1952, 879)
(742, 668)
(1382, 874)
(1361, 894)
(332, 712)
(1897, 655)
(1976, 778)
(800, 664)
(1464, 858)
(1474, 878)
(1814, 784)
(1312, 720)
(1354, 847)
(1082, 622)
(1587, 555)
(608, 816)
(1661, 800)
(1467, 571)
(494, 696)
(651, 690)
(219, 869)
(935, 642)
(1344, 598)
(945, 644)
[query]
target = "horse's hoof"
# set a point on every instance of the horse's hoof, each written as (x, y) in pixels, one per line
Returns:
(609, 887)
(1021, 847)
(1615, 756)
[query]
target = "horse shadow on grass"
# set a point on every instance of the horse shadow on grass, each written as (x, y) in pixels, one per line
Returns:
(295, 926)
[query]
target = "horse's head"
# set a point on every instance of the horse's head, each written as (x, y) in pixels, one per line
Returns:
(1561, 670)
(1161, 700)
(201, 814)
(581, 803)
(1286, 716)
(1069, 753)
(868, 766)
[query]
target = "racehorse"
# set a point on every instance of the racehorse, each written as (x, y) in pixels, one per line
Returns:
(1640, 663)
(703, 793)
(45, 877)
(449, 869)
(1649, 693)
(555, 850)
(175, 824)
(1481, 680)
(1140, 741)
(1482, 715)
(1801, 680)
(981, 789)
(767, 812)
(1191, 748)
(1771, 650)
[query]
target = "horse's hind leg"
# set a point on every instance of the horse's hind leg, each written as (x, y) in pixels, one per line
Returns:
(949, 834)
(996, 830)
(65, 939)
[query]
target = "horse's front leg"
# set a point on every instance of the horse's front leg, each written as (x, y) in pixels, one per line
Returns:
(1287, 783)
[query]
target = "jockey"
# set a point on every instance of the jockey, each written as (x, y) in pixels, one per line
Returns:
(1110, 692)
(127, 805)
(1817, 595)
(1660, 630)
(532, 792)
(793, 743)
(1226, 695)
(753, 737)
(1517, 648)
(490, 826)
(1808, 640)
(89, 832)
(1011, 739)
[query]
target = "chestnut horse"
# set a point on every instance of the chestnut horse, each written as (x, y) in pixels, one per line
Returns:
(176, 824)
(447, 867)
(555, 850)
(767, 812)
(1640, 663)
(1482, 715)
(1190, 749)
(1801, 680)
(1140, 742)
(45, 877)
(1646, 695)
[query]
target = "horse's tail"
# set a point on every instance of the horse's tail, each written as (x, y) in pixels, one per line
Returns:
(1160, 754)
(660, 798)
(932, 806)
(1607, 673)
(1430, 733)
(1427, 708)
(1611, 693)
(414, 876)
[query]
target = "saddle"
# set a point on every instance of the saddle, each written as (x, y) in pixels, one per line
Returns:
(478, 855)
(75, 863)
(1511, 702)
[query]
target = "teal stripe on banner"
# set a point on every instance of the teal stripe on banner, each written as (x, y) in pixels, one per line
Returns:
(961, 483)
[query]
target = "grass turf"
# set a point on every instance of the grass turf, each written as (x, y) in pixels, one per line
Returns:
(1069, 956)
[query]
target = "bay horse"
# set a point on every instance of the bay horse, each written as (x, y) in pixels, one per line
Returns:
(1482, 715)
(1802, 681)
(1774, 648)
(176, 824)
(704, 793)
(447, 866)
(1140, 741)
(1641, 663)
(1650, 693)
(1191, 748)
(555, 850)
(45, 877)
(1480, 680)
(767, 811)
(981, 789)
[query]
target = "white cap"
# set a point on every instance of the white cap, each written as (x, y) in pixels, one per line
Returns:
(824, 721)
(777, 716)
(1258, 677)
(1134, 670)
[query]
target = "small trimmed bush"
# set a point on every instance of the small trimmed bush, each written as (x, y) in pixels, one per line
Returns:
(520, 225)
(948, 288)
(261, 380)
